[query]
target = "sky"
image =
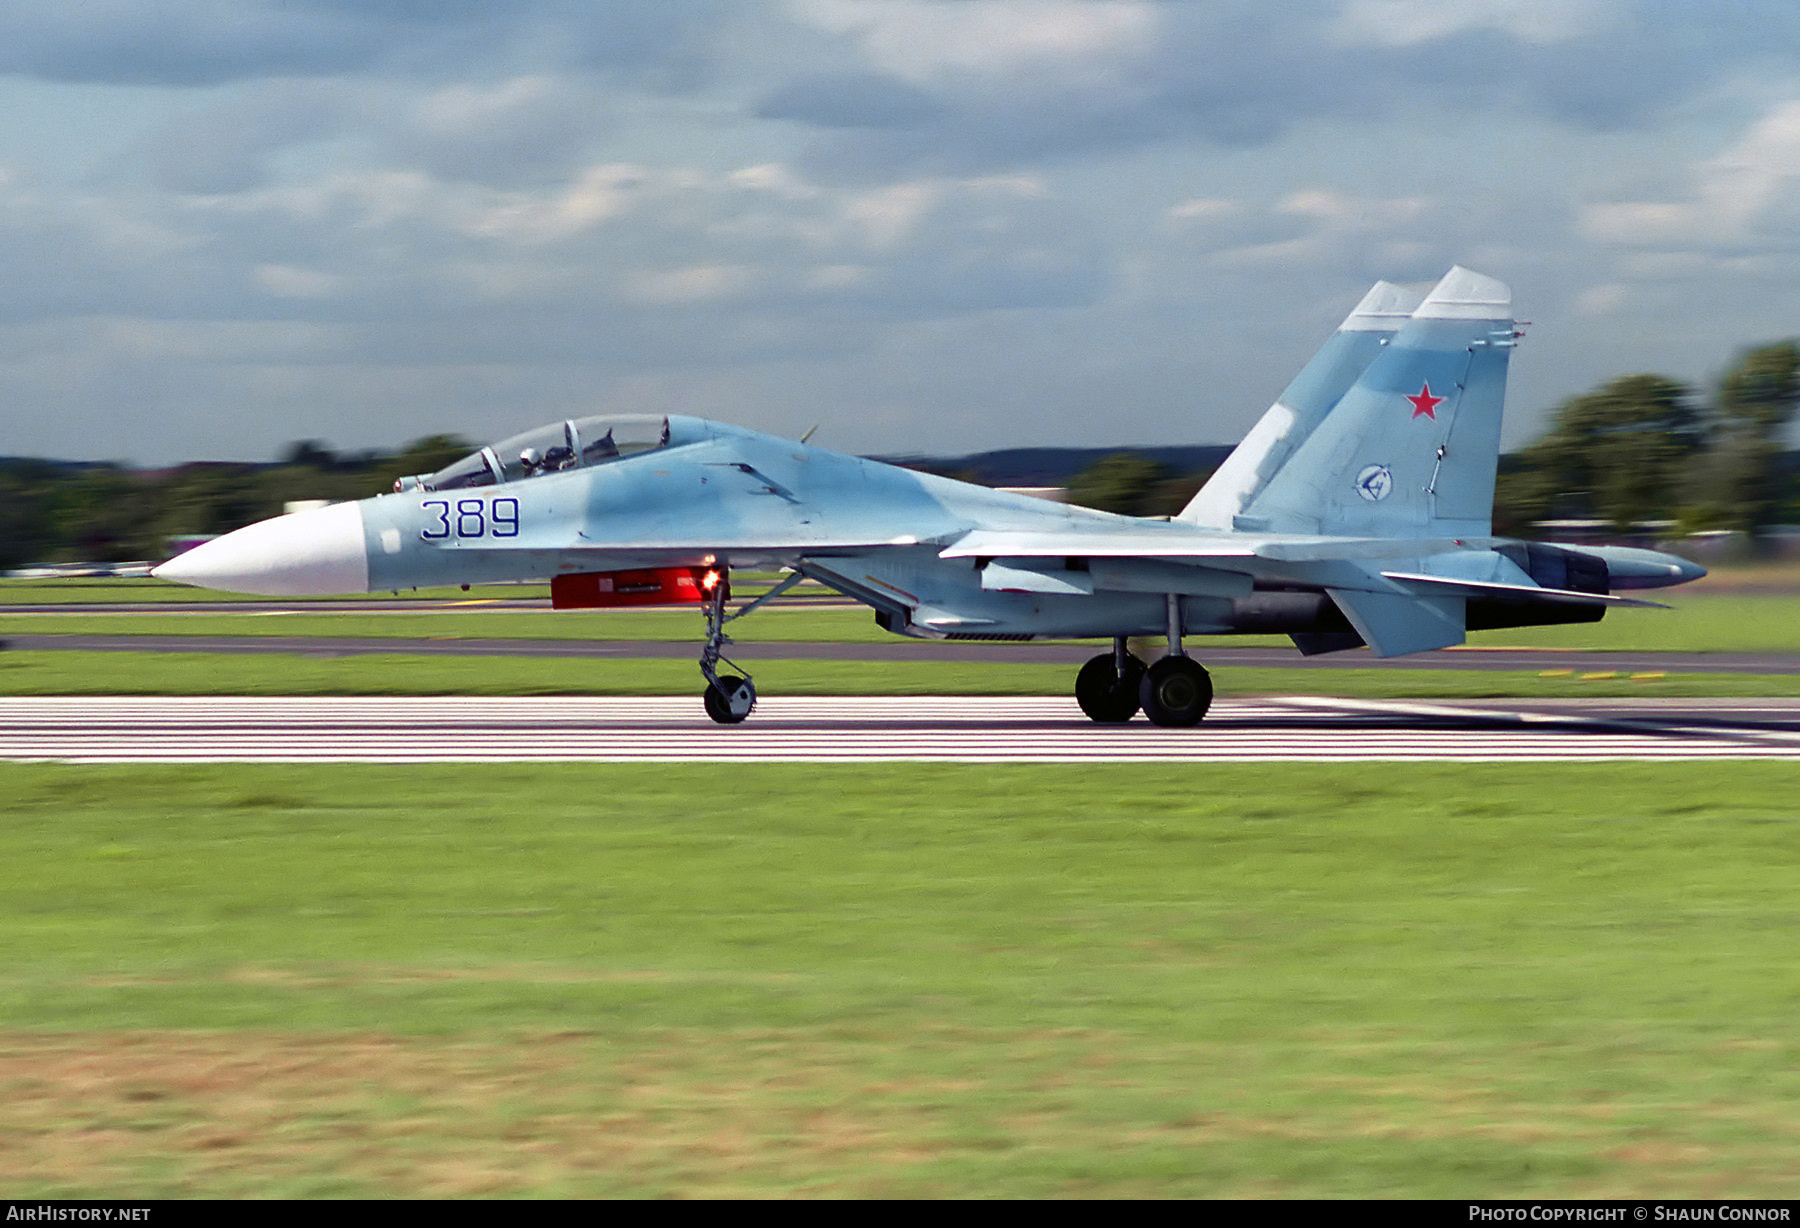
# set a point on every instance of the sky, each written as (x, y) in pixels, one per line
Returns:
(922, 226)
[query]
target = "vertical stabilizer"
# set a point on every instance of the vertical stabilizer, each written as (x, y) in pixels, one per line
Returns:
(1410, 450)
(1305, 403)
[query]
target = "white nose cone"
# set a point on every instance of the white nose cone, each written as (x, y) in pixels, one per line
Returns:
(308, 553)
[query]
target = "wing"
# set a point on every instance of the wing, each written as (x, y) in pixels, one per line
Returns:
(1176, 544)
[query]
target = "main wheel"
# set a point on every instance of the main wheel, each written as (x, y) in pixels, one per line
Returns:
(1104, 694)
(730, 701)
(1176, 691)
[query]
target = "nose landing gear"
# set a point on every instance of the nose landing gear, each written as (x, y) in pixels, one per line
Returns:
(729, 698)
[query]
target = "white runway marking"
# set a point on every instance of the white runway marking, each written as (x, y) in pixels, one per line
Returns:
(838, 730)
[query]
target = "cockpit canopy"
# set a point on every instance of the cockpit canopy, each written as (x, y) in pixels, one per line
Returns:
(573, 444)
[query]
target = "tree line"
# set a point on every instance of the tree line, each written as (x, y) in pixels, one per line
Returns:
(1646, 449)
(1644, 453)
(55, 512)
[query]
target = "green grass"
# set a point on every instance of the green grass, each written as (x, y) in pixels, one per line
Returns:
(1348, 981)
(1722, 622)
(154, 673)
(1696, 622)
(793, 624)
(1107, 981)
(104, 590)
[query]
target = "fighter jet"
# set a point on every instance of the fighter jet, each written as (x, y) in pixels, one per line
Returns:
(1357, 512)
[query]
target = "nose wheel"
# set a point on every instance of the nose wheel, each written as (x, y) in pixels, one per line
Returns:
(728, 698)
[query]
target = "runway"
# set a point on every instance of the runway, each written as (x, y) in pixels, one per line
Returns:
(857, 730)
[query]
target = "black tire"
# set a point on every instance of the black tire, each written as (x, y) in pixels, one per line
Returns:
(1103, 694)
(718, 702)
(1176, 692)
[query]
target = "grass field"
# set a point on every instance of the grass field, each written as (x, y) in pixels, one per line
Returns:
(1378, 980)
(1718, 622)
(1381, 980)
(107, 590)
(778, 625)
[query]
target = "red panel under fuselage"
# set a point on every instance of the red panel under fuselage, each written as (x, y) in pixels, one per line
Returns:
(651, 586)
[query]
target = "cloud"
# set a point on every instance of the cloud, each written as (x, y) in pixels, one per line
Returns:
(1008, 82)
(1741, 198)
(927, 40)
(1112, 217)
(229, 144)
(377, 305)
(1320, 233)
(658, 254)
(521, 131)
(1406, 23)
(211, 42)
(845, 100)
(184, 42)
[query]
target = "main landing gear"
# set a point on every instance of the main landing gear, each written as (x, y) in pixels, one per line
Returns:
(1175, 692)
(729, 698)
(1107, 687)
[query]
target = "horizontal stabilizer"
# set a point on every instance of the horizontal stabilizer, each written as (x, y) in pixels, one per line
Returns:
(1484, 588)
(1394, 624)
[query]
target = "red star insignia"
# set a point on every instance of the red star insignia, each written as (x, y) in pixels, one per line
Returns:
(1424, 402)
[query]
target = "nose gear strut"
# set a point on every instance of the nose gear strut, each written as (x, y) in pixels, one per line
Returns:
(729, 698)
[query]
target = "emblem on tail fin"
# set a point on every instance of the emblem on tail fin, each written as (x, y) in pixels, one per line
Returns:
(1375, 483)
